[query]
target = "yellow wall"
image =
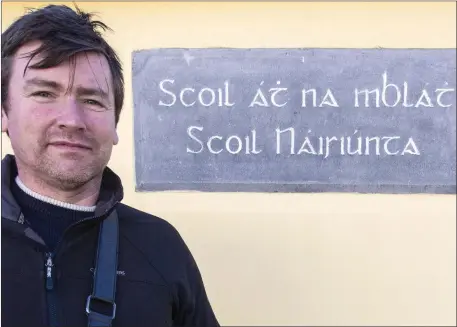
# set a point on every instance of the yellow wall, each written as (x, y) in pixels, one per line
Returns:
(298, 259)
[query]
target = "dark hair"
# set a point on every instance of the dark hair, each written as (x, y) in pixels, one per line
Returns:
(63, 32)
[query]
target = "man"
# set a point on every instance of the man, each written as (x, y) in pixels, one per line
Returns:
(62, 94)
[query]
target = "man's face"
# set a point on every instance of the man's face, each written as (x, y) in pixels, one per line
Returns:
(61, 120)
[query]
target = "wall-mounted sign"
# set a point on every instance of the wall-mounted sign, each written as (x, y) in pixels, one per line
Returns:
(295, 120)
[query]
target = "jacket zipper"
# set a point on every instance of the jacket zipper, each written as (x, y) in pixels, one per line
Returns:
(51, 296)
(50, 293)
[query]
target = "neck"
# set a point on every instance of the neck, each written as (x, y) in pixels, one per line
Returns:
(49, 200)
(86, 195)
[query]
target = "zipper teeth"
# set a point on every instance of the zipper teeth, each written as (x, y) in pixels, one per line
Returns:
(51, 301)
(52, 309)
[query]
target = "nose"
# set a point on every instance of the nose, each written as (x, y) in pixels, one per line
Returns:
(71, 116)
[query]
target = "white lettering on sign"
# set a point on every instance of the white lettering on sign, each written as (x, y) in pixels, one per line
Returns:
(189, 97)
(216, 144)
(401, 96)
(287, 141)
(343, 145)
(389, 95)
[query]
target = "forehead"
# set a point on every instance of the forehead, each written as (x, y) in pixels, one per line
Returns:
(87, 69)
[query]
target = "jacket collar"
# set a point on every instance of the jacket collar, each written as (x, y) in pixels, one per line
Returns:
(111, 190)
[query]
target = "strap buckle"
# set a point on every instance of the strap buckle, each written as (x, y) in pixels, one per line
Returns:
(91, 298)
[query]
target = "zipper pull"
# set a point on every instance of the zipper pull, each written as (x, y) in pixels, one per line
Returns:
(49, 271)
(21, 219)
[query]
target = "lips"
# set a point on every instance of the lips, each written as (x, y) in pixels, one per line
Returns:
(70, 145)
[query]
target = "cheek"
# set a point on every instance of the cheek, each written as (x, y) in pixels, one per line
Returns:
(27, 127)
(103, 130)
(26, 121)
(29, 111)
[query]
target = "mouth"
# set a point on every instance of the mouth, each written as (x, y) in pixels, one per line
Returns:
(70, 145)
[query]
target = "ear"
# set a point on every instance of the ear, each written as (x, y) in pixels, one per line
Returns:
(116, 138)
(4, 121)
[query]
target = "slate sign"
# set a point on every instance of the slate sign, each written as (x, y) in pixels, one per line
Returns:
(295, 120)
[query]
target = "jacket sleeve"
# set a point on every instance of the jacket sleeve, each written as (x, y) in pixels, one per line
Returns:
(193, 307)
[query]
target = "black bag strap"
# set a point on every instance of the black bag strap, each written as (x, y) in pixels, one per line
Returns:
(105, 275)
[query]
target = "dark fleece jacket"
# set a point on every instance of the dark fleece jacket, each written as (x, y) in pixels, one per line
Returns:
(158, 284)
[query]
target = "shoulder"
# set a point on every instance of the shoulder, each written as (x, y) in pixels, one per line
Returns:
(131, 215)
(149, 231)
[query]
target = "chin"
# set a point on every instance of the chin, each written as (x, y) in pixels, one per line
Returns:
(72, 174)
(72, 180)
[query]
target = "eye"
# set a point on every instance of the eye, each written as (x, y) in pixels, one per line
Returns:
(42, 94)
(94, 104)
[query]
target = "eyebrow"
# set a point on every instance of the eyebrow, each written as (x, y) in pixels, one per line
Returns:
(80, 90)
(42, 82)
(88, 91)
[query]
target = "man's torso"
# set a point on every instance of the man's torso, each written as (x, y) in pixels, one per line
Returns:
(144, 297)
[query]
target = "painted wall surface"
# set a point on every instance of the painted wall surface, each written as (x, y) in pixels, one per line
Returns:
(298, 259)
